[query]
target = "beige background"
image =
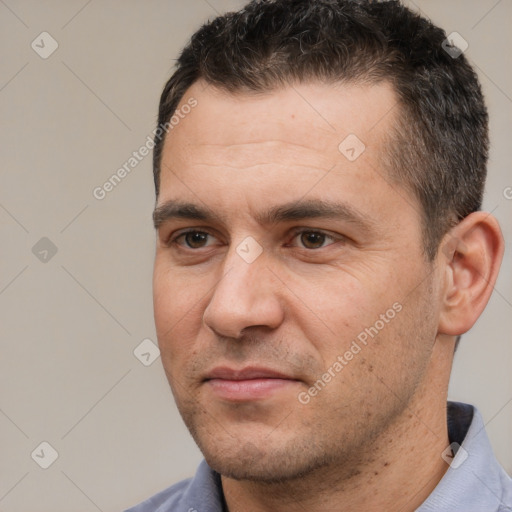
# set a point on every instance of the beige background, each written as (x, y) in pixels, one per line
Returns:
(69, 326)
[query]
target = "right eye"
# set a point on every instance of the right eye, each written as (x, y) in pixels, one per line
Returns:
(191, 239)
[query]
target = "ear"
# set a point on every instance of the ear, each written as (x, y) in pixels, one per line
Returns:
(470, 255)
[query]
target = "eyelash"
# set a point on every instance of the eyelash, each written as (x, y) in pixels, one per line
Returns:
(173, 240)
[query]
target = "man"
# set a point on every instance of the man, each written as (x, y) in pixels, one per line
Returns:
(319, 170)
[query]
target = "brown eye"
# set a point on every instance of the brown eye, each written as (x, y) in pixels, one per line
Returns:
(312, 239)
(195, 239)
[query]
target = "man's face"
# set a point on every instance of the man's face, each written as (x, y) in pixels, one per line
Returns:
(289, 251)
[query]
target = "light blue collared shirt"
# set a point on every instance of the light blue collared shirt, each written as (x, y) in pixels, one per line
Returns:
(474, 482)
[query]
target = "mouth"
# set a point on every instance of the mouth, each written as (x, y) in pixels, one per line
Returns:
(247, 384)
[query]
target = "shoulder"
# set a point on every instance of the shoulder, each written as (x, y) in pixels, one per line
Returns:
(165, 500)
(203, 492)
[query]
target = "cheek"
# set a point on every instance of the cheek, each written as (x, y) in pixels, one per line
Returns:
(177, 309)
(357, 317)
(335, 311)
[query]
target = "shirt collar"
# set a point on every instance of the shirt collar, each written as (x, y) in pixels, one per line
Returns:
(475, 481)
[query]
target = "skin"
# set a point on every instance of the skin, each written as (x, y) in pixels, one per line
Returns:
(303, 301)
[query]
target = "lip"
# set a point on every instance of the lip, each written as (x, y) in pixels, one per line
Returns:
(247, 384)
(248, 373)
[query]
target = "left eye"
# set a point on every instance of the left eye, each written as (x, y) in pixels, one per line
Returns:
(314, 239)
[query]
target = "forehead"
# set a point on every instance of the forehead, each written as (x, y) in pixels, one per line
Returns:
(312, 116)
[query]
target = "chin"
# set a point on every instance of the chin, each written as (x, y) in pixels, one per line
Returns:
(262, 462)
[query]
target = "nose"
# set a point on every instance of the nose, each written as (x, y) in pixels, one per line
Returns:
(247, 295)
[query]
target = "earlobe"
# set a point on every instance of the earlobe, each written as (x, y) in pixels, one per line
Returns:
(471, 255)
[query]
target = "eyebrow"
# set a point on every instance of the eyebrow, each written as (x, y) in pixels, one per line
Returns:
(174, 209)
(291, 211)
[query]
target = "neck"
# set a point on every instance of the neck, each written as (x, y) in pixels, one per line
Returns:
(397, 471)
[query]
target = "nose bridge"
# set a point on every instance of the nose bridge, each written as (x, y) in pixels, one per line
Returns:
(245, 295)
(244, 273)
